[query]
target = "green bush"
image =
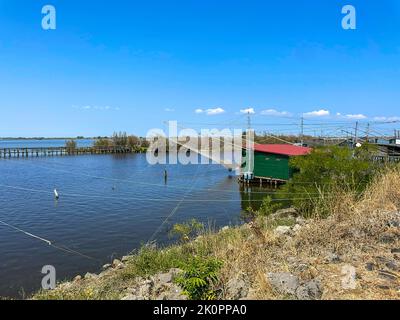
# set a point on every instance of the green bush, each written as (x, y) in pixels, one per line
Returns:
(198, 277)
(185, 231)
(324, 173)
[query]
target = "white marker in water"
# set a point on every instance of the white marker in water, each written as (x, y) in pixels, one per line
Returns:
(56, 194)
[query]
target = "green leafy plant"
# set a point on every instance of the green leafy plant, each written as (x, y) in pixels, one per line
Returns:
(198, 277)
(187, 229)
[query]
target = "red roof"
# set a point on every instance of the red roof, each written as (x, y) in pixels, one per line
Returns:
(285, 149)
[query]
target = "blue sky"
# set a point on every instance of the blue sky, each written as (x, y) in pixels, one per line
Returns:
(130, 65)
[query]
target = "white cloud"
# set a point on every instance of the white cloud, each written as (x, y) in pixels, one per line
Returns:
(248, 110)
(169, 110)
(210, 112)
(275, 113)
(214, 111)
(89, 107)
(387, 118)
(317, 113)
(356, 116)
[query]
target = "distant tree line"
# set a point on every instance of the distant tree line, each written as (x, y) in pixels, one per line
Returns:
(122, 139)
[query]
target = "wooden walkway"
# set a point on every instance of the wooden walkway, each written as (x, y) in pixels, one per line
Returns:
(262, 181)
(60, 151)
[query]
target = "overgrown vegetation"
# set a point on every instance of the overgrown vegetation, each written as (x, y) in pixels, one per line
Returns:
(326, 173)
(122, 140)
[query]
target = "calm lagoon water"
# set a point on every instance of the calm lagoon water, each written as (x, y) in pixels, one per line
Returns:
(109, 205)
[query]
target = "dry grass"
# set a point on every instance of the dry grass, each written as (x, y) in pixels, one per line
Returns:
(353, 231)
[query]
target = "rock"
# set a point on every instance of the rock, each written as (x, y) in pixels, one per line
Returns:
(291, 259)
(144, 290)
(237, 288)
(387, 238)
(174, 293)
(394, 224)
(370, 266)
(106, 266)
(163, 277)
(302, 267)
(332, 258)
(283, 282)
(282, 230)
(225, 228)
(349, 277)
(158, 287)
(89, 275)
(393, 265)
(164, 281)
(301, 221)
(381, 260)
(311, 290)
(285, 213)
(77, 278)
(117, 264)
(125, 258)
(296, 228)
(386, 275)
(383, 287)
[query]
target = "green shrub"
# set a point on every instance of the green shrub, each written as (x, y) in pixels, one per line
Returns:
(198, 277)
(325, 173)
(185, 231)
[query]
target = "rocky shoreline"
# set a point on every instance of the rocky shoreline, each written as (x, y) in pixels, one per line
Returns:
(373, 267)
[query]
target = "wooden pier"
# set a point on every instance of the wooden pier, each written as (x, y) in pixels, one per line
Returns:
(262, 181)
(61, 151)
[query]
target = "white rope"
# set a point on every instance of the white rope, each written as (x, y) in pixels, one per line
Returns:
(64, 248)
(25, 232)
